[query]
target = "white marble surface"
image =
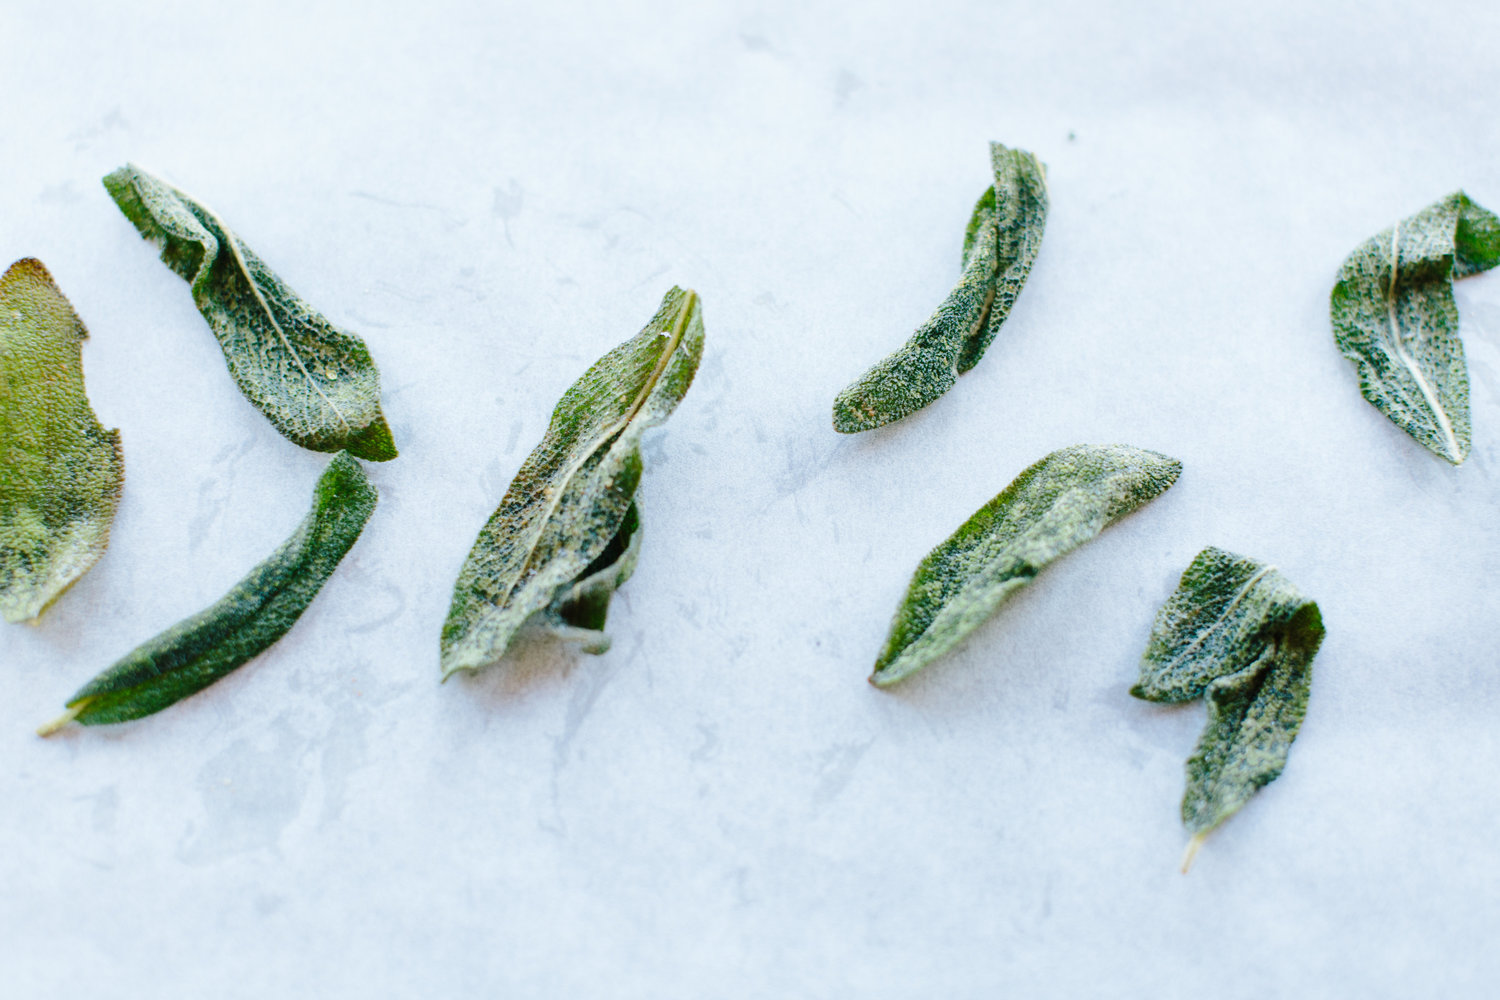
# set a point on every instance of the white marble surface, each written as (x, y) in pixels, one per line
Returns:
(493, 195)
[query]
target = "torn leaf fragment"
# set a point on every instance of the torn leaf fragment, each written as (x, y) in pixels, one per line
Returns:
(1052, 508)
(567, 531)
(259, 610)
(60, 471)
(1000, 244)
(1237, 632)
(1394, 316)
(315, 382)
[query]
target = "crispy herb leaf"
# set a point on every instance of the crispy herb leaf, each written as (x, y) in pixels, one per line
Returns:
(60, 472)
(566, 533)
(1052, 508)
(314, 382)
(1395, 318)
(260, 609)
(1238, 631)
(1000, 244)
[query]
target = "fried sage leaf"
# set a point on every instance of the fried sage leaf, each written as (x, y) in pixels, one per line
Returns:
(60, 472)
(314, 382)
(1000, 244)
(567, 531)
(1051, 509)
(260, 609)
(1395, 318)
(1237, 631)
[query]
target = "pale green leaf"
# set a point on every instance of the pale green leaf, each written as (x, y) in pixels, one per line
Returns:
(566, 533)
(1238, 632)
(1395, 318)
(1052, 508)
(1000, 244)
(313, 381)
(60, 471)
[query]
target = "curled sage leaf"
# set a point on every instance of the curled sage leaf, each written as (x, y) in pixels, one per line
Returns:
(567, 531)
(313, 381)
(260, 609)
(60, 471)
(1237, 632)
(1052, 508)
(1395, 318)
(1001, 241)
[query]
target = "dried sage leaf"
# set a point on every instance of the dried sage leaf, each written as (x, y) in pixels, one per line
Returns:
(1238, 632)
(567, 531)
(1000, 244)
(313, 381)
(1395, 318)
(260, 609)
(60, 471)
(1051, 509)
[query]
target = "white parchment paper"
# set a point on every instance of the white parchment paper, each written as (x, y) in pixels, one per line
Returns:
(492, 195)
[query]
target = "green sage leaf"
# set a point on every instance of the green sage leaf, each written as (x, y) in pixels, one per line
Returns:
(60, 471)
(1000, 243)
(260, 609)
(1051, 509)
(1395, 318)
(1238, 632)
(566, 533)
(313, 381)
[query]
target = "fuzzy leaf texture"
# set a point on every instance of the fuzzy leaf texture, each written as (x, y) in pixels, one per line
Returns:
(259, 610)
(313, 381)
(1000, 244)
(1395, 318)
(60, 471)
(1238, 632)
(1051, 509)
(566, 533)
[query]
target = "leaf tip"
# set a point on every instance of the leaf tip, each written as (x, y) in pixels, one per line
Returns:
(854, 413)
(374, 443)
(454, 660)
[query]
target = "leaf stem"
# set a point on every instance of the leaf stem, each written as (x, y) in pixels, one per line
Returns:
(1192, 850)
(62, 720)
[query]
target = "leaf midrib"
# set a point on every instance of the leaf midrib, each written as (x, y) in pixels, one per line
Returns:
(234, 248)
(1450, 440)
(1223, 618)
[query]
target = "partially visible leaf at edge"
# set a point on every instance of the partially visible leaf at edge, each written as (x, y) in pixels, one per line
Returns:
(1000, 244)
(1394, 316)
(315, 382)
(256, 612)
(60, 472)
(1052, 508)
(1238, 632)
(566, 532)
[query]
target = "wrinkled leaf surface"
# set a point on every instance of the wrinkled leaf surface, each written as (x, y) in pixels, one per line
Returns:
(566, 533)
(60, 471)
(313, 381)
(260, 609)
(1239, 633)
(1000, 244)
(1051, 508)
(1394, 316)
